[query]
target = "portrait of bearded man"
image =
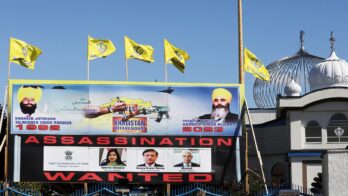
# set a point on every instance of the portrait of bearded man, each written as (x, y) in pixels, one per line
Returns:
(28, 97)
(221, 100)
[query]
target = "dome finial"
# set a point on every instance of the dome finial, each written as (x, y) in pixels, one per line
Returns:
(332, 41)
(302, 39)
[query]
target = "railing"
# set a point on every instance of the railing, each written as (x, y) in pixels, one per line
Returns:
(273, 191)
(194, 189)
(186, 190)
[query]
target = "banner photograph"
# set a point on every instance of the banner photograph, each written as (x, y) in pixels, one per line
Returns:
(131, 159)
(137, 159)
(110, 108)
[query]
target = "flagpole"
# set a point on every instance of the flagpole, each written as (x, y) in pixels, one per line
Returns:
(88, 57)
(256, 146)
(126, 70)
(7, 95)
(241, 81)
(166, 72)
(87, 69)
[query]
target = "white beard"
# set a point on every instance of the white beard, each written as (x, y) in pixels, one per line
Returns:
(219, 114)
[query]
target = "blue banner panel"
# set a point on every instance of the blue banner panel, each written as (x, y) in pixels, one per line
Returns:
(87, 108)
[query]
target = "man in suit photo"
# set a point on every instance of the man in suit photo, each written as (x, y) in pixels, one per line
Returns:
(187, 160)
(150, 157)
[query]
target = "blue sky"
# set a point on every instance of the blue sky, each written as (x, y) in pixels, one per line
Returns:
(206, 29)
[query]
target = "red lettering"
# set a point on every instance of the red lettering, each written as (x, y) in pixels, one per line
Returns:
(134, 141)
(193, 141)
(54, 127)
(20, 127)
(172, 178)
(208, 129)
(120, 140)
(43, 127)
(145, 140)
(166, 141)
(112, 176)
(181, 140)
(59, 175)
(218, 129)
(197, 129)
(90, 176)
(31, 139)
(147, 176)
(31, 127)
(67, 140)
(85, 140)
(103, 140)
(50, 140)
(200, 177)
(223, 141)
(186, 129)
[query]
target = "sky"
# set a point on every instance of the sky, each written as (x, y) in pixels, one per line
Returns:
(207, 30)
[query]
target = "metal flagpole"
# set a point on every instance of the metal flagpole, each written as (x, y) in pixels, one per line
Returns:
(166, 80)
(87, 69)
(85, 185)
(88, 58)
(241, 81)
(166, 72)
(256, 147)
(7, 132)
(126, 70)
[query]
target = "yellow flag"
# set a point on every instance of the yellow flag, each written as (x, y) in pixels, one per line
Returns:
(138, 51)
(175, 56)
(99, 48)
(23, 54)
(254, 66)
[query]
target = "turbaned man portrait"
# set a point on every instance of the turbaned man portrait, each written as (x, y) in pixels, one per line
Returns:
(221, 101)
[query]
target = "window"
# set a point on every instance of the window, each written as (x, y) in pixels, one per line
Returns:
(279, 173)
(337, 130)
(313, 132)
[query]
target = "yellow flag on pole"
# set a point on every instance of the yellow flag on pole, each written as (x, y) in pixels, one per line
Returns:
(134, 50)
(254, 66)
(175, 56)
(98, 48)
(23, 54)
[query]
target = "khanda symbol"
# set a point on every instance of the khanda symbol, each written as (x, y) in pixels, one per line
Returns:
(25, 51)
(138, 50)
(179, 55)
(101, 47)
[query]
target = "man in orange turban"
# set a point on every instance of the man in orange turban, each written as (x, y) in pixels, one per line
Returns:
(221, 99)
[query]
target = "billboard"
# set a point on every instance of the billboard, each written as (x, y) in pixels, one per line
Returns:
(75, 128)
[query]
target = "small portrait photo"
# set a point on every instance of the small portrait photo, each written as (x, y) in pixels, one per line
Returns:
(113, 156)
(186, 158)
(150, 158)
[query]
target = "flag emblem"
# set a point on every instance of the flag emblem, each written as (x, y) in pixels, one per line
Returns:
(175, 56)
(138, 51)
(23, 54)
(102, 47)
(99, 48)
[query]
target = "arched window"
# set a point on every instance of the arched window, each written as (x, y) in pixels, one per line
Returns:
(279, 173)
(313, 132)
(337, 130)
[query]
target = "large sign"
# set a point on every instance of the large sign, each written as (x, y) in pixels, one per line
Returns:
(78, 131)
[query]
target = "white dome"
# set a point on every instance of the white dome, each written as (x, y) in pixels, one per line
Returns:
(292, 88)
(330, 73)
